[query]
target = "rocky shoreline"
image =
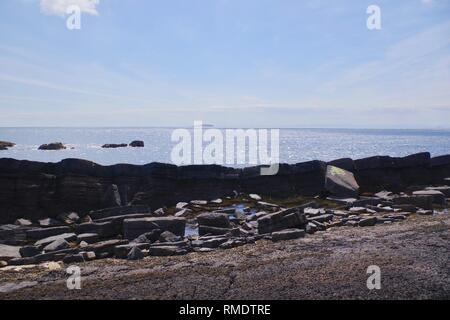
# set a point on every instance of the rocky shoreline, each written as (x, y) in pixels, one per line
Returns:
(310, 198)
(36, 190)
(412, 254)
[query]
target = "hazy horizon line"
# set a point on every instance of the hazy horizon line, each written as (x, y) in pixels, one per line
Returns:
(209, 126)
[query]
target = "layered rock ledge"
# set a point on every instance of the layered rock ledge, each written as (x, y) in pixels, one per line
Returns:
(36, 189)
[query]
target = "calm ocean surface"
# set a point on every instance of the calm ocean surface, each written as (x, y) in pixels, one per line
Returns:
(296, 145)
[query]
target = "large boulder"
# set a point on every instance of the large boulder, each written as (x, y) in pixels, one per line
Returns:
(52, 146)
(285, 219)
(213, 219)
(438, 196)
(424, 202)
(137, 144)
(341, 183)
(133, 228)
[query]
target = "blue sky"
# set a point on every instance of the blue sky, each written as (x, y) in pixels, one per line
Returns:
(239, 63)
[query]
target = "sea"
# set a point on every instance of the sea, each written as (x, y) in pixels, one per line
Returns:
(295, 145)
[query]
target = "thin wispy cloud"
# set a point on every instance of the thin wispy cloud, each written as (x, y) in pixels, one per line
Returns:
(310, 63)
(59, 7)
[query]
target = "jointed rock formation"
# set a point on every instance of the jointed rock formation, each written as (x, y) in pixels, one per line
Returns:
(39, 190)
(59, 213)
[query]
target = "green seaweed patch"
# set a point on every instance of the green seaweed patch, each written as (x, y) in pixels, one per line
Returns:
(335, 171)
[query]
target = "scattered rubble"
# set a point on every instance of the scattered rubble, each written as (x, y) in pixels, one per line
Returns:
(134, 232)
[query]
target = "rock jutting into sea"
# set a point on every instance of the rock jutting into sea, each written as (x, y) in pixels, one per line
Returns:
(52, 146)
(4, 145)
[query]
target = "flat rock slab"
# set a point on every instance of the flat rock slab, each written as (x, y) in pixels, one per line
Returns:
(444, 189)
(58, 244)
(69, 237)
(122, 251)
(103, 229)
(41, 233)
(424, 202)
(23, 222)
(50, 222)
(214, 219)
(341, 183)
(166, 251)
(11, 286)
(88, 237)
(118, 211)
(438, 196)
(9, 252)
(322, 218)
(105, 246)
(204, 230)
(284, 219)
(211, 243)
(288, 234)
(133, 228)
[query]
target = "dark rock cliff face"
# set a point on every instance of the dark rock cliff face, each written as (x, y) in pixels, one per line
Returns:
(36, 189)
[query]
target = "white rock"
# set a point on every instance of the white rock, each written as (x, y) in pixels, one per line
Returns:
(183, 212)
(181, 205)
(255, 196)
(199, 202)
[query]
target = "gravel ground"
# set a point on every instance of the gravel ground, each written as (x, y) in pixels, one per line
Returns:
(414, 257)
